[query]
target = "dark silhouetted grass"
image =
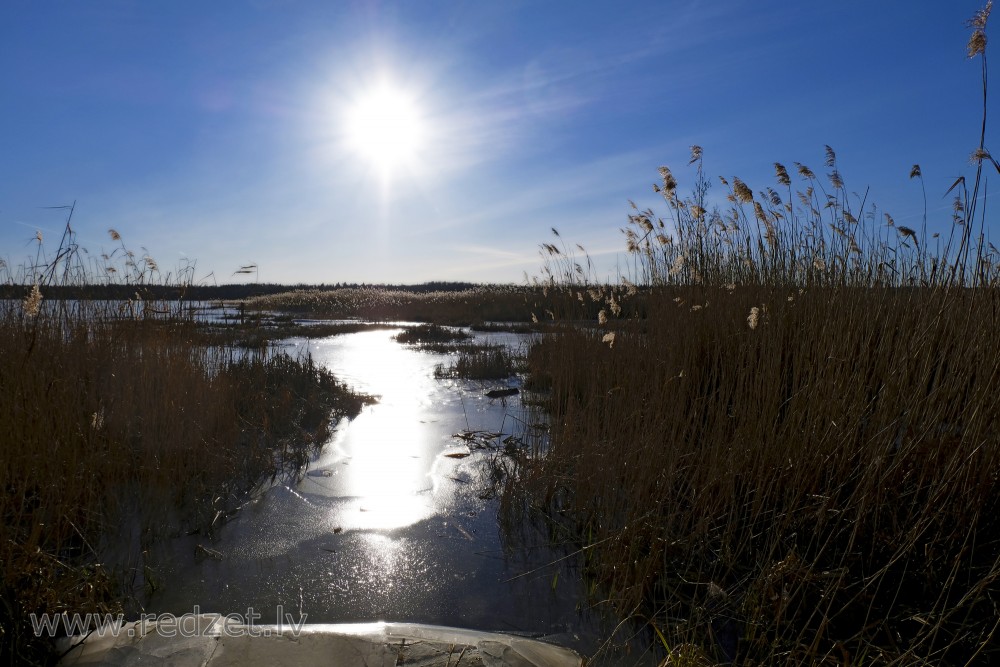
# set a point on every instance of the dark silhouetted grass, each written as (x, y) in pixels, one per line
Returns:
(430, 334)
(473, 306)
(112, 414)
(784, 446)
(482, 362)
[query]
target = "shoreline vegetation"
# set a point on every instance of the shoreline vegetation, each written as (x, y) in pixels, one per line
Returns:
(125, 423)
(776, 442)
(783, 477)
(473, 361)
(784, 448)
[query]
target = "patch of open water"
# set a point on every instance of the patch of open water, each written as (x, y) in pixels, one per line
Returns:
(384, 525)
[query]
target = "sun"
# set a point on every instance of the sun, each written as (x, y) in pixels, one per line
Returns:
(385, 126)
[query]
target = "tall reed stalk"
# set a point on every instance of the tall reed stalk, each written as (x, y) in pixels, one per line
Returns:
(119, 427)
(781, 446)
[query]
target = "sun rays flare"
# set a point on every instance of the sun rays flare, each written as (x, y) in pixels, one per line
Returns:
(385, 126)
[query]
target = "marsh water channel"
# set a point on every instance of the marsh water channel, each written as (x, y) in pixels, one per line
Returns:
(392, 521)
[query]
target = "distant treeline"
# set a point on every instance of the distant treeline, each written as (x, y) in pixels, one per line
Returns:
(210, 292)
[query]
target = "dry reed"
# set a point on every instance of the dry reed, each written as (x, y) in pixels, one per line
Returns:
(118, 427)
(784, 450)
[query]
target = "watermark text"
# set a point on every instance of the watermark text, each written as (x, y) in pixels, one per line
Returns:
(194, 624)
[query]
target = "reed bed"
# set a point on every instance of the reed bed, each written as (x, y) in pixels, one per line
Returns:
(482, 362)
(778, 444)
(430, 334)
(818, 488)
(473, 306)
(119, 427)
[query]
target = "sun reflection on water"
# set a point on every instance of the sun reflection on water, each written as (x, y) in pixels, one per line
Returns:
(382, 464)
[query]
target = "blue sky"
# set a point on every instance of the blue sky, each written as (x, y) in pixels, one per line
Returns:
(218, 133)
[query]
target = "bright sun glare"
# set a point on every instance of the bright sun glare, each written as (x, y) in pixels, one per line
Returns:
(385, 127)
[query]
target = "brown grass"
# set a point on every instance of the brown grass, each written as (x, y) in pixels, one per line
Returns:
(783, 447)
(431, 334)
(833, 471)
(119, 427)
(481, 362)
(477, 306)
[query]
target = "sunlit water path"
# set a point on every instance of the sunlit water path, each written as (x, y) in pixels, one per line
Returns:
(384, 525)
